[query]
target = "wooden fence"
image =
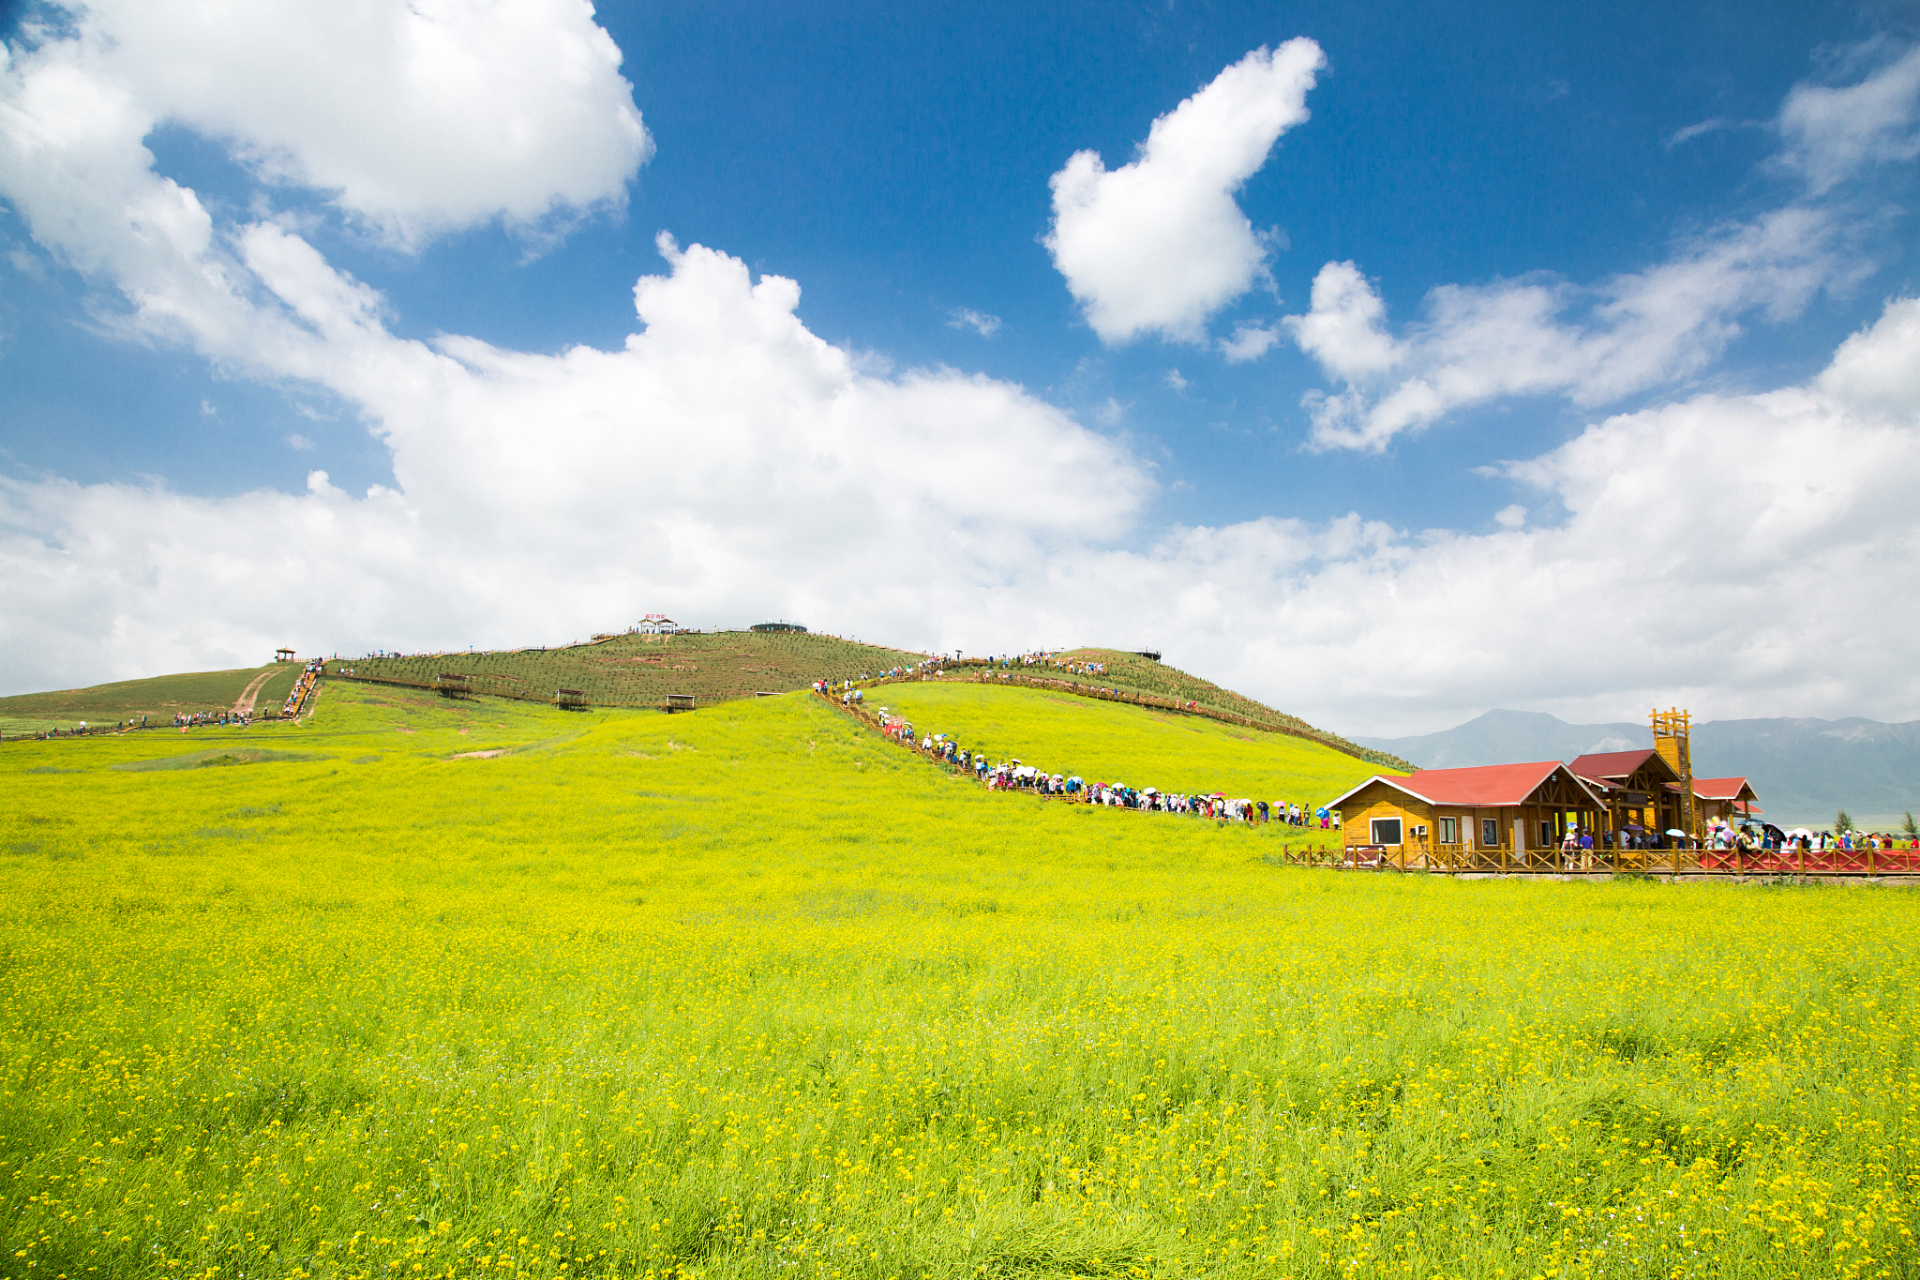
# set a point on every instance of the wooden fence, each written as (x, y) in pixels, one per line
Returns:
(1470, 859)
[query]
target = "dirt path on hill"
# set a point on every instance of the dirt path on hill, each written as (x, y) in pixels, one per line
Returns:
(244, 703)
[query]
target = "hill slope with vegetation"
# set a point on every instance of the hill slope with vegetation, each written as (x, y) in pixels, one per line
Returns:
(157, 698)
(1115, 742)
(1139, 674)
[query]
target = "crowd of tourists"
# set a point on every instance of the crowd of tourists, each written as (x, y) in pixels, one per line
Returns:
(1805, 840)
(309, 676)
(1015, 775)
(195, 719)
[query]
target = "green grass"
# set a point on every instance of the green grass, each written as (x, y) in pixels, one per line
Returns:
(640, 670)
(750, 993)
(158, 698)
(1135, 746)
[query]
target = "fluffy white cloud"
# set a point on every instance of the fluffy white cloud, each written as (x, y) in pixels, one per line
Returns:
(1745, 556)
(413, 118)
(724, 462)
(1250, 342)
(1741, 555)
(1831, 133)
(1159, 244)
(1541, 335)
(1639, 330)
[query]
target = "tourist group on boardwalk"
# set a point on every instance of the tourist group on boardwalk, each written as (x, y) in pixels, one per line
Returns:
(1016, 775)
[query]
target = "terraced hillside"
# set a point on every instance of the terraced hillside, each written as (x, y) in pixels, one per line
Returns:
(641, 670)
(156, 698)
(1115, 742)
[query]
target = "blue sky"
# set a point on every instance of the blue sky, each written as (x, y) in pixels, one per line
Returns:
(1556, 218)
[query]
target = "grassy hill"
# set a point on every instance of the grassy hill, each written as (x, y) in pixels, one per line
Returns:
(1114, 742)
(156, 698)
(485, 988)
(1137, 674)
(640, 670)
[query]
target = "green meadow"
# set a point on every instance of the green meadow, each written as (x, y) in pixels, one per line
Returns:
(480, 988)
(1134, 746)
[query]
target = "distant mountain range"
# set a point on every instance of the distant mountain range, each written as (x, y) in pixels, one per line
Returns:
(1802, 769)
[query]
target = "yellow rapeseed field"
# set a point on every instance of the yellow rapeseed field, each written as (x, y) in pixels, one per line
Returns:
(752, 993)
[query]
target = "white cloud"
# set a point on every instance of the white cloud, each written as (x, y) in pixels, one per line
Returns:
(1832, 133)
(412, 118)
(1174, 380)
(299, 443)
(1540, 334)
(1159, 244)
(1249, 342)
(725, 459)
(978, 321)
(1511, 516)
(1680, 137)
(1636, 331)
(1745, 556)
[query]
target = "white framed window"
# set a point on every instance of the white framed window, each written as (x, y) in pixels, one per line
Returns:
(1490, 832)
(1386, 831)
(1449, 831)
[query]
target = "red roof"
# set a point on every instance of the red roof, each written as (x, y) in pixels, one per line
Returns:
(1611, 764)
(1489, 786)
(1721, 788)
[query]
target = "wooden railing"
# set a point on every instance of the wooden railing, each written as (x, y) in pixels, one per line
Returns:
(1455, 859)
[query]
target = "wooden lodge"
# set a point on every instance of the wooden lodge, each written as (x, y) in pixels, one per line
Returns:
(1502, 817)
(452, 684)
(570, 699)
(1518, 816)
(677, 702)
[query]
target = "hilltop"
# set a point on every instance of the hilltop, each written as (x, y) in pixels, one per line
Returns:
(638, 670)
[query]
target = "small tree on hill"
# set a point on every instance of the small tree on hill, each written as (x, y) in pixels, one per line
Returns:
(1909, 826)
(1841, 822)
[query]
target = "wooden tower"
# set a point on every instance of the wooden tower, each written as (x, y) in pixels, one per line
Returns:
(1670, 734)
